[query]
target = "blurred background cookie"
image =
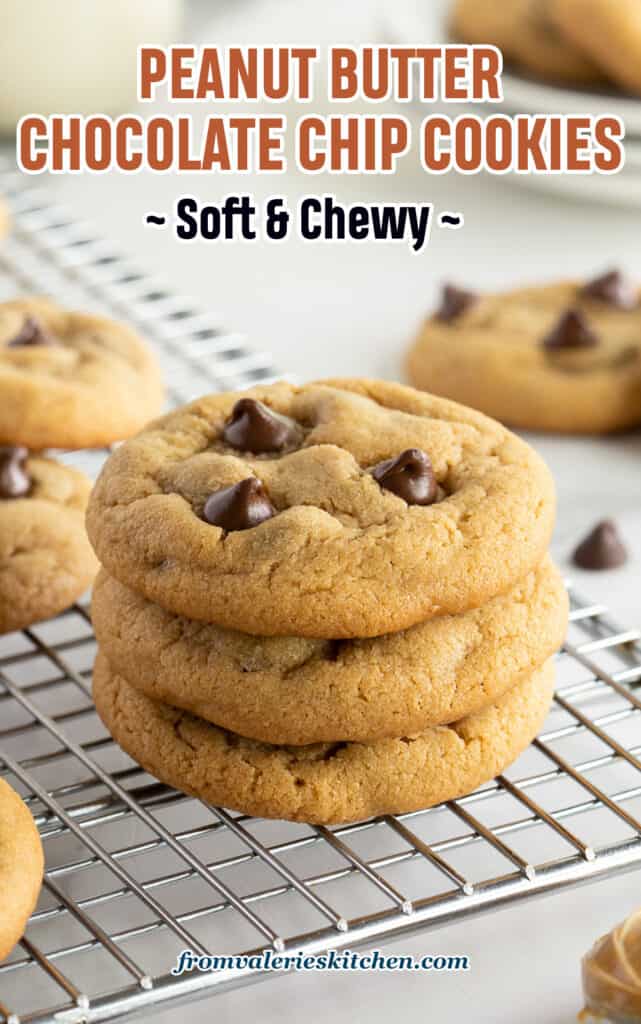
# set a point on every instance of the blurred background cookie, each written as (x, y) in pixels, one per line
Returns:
(609, 32)
(526, 33)
(46, 562)
(72, 379)
(562, 357)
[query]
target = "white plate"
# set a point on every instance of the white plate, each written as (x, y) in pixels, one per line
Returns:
(403, 21)
(622, 189)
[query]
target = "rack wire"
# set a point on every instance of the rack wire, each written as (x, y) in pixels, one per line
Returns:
(136, 872)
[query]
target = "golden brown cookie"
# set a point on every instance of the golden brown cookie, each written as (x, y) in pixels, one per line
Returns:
(322, 783)
(71, 380)
(46, 561)
(21, 868)
(528, 35)
(297, 690)
(563, 357)
(609, 31)
(377, 507)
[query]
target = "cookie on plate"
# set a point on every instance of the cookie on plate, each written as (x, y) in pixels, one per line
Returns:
(322, 783)
(21, 868)
(609, 32)
(563, 357)
(333, 510)
(296, 690)
(46, 561)
(524, 30)
(71, 380)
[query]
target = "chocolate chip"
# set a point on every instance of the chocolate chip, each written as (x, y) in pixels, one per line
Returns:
(571, 331)
(614, 289)
(15, 481)
(410, 476)
(253, 427)
(31, 333)
(239, 507)
(602, 548)
(454, 302)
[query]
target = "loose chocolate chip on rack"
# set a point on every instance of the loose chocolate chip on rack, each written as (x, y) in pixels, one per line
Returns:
(253, 427)
(614, 289)
(454, 302)
(239, 507)
(15, 481)
(602, 548)
(410, 476)
(31, 333)
(571, 331)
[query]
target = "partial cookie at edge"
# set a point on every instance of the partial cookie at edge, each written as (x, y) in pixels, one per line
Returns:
(610, 32)
(46, 561)
(21, 867)
(94, 384)
(526, 33)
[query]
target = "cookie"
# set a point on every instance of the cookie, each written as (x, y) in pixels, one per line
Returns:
(562, 357)
(296, 690)
(610, 33)
(528, 35)
(321, 783)
(21, 868)
(375, 508)
(71, 380)
(46, 561)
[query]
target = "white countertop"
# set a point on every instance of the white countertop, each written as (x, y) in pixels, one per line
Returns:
(351, 309)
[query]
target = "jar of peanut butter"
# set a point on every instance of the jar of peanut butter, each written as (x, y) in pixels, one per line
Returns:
(612, 976)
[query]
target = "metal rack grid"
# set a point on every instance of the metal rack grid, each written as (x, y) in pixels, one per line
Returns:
(136, 871)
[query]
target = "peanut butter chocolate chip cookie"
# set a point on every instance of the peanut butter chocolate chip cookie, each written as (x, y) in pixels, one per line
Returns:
(609, 32)
(297, 690)
(46, 561)
(528, 35)
(564, 357)
(21, 868)
(322, 783)
(71, 380)
(376, 508)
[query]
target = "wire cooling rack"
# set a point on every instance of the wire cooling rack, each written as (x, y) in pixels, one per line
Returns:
(136, 872)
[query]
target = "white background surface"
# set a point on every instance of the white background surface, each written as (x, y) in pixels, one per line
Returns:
(351, 309)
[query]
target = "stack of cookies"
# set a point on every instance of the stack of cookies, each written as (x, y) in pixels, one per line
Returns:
(325, 602)
(67, 380)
